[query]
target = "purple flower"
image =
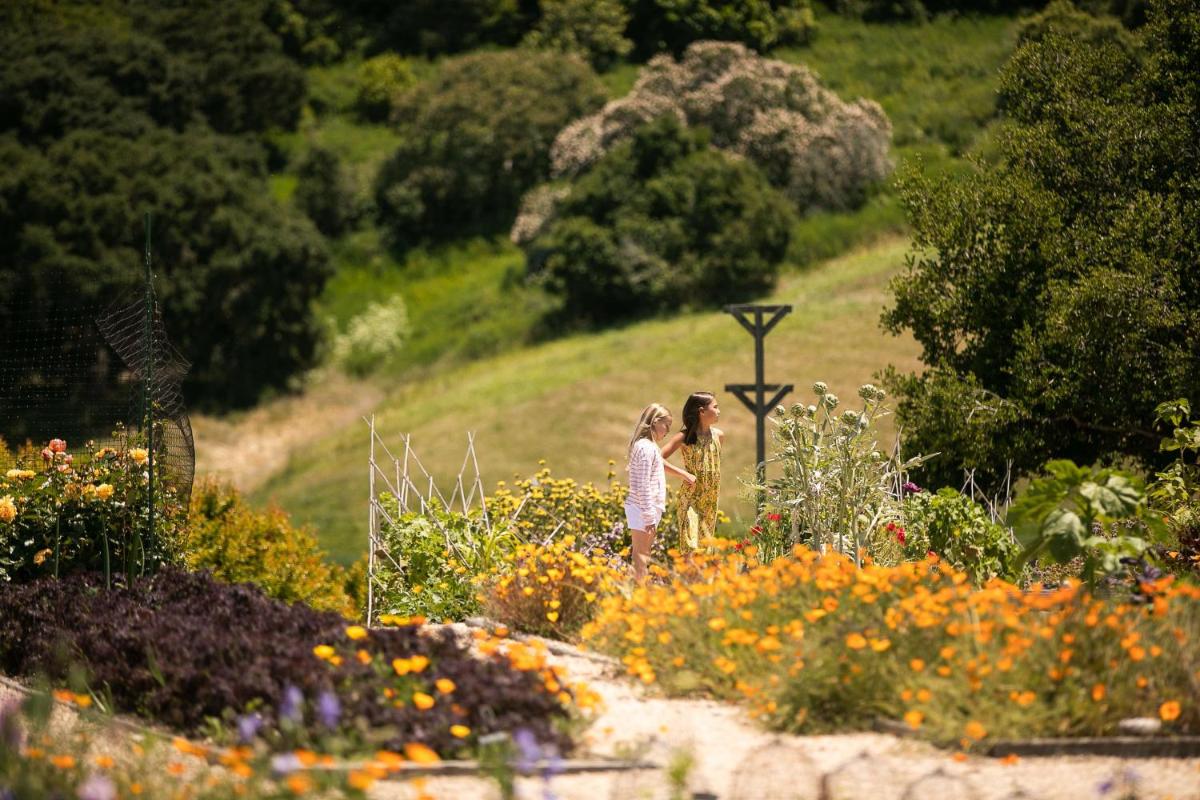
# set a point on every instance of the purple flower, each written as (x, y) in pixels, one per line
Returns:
(97, 787)
(285, 763)
(910, 488)
(248, 726)
(292, 706)
(329, 710)
(528, 752)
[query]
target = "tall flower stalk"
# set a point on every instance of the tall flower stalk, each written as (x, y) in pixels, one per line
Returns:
(835, 485)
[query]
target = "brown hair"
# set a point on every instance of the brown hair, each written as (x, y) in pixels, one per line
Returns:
(696, 402)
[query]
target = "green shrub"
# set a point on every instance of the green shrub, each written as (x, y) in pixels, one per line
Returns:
(373, 338)
(960, 531)
(379, 81)
(477, 136)
(659, 25)
(322, 191)
(1097, 514)
(1176, 490)
(431, 560)
(1058, 280)
(662, 222)
(85, 512)
(240, 544)
(589, 28)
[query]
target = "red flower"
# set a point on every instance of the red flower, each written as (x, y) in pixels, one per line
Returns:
(742, 544)
(900, 535)
(755, 531)
(58, 446)
(890, 527)
(774, 517)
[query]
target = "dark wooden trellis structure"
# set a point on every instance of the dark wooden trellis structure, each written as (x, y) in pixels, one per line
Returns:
(759, 321)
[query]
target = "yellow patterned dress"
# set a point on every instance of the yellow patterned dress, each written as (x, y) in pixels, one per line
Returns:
(697, 510)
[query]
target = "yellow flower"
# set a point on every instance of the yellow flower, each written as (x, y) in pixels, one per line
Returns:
(13, 474)
(856, 641)
(139, 455)
(422, 701)
(323, 651)
(1098, 692)
(460, 731)
(8, 509)
(359, 780)
(104, 491)
(975, 730)
(445, 685)
(552, 616)
(63, 762)
(299, 783)
(1169, 711)
(356, 632)
(916, 665)
(914, 719)
(420, 754)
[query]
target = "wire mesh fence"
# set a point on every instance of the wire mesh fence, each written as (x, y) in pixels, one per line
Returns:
(94, 369)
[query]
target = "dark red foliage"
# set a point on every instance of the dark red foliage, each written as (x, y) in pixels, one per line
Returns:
(180, 647)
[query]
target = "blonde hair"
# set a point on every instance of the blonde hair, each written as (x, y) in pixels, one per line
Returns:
(645, 425)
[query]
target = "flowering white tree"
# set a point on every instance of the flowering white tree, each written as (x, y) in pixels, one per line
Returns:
(820, 150)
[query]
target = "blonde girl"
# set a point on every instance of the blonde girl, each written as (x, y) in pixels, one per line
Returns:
(701, 443)
(647, 499)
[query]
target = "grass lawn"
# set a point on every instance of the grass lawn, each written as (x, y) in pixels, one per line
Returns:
(573, 401)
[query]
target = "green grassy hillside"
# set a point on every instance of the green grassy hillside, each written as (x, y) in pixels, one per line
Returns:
(474, 360)
(573, 401)
(466, 300)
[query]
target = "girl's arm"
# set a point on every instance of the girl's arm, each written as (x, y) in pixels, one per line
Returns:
(671, 446)
(682, 474)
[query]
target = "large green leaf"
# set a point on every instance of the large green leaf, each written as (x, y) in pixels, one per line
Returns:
(1116, 497)
(1067, 472)
(1064, 531)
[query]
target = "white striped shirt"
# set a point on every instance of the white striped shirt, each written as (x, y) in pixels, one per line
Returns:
(647, 481)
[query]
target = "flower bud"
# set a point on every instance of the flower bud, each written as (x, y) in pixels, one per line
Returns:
(819, 388)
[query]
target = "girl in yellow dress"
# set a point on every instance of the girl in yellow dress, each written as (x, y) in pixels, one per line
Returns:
(701, 444)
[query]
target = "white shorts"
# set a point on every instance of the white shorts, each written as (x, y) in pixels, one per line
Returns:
(633, 518)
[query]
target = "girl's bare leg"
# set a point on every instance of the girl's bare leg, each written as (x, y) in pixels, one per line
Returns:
(642, 541)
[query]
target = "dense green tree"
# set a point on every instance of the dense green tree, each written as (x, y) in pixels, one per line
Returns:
(109, 109)
(671, 25)
(592, 29)
(1056, 294)
(122, 67)
(475, 137)
(662, 221)
(1131, 12)
(236, 272)
(323, 192)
